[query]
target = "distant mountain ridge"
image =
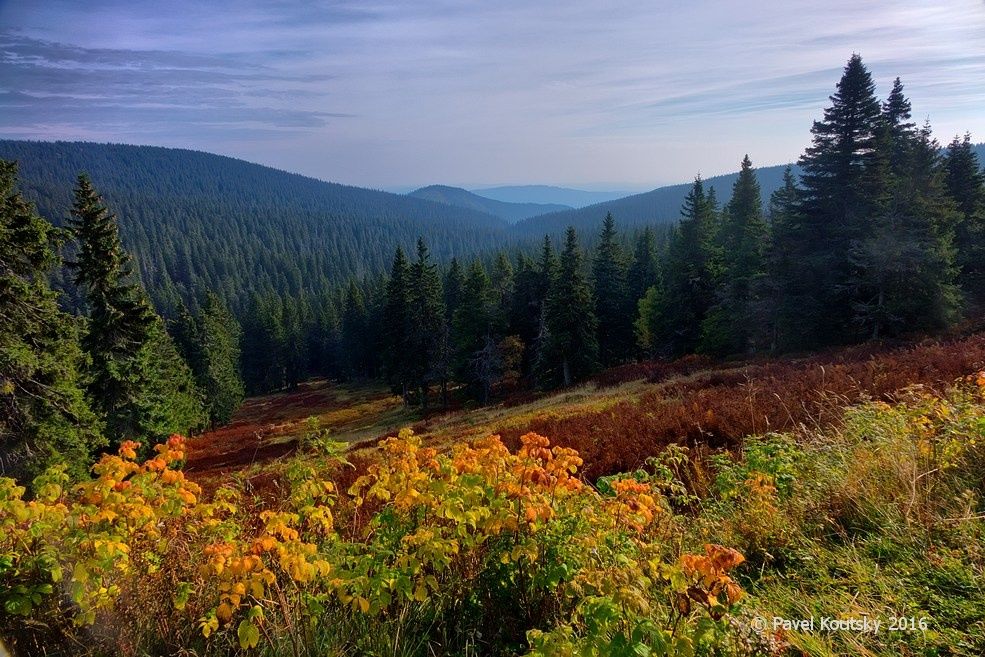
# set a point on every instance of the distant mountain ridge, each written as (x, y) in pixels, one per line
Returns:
(659, 206)
(574, 198)
(511, 212)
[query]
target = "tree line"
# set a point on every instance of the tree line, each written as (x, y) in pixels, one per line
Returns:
(882, 236)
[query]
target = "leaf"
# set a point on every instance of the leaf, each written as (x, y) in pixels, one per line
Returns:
(248, 633)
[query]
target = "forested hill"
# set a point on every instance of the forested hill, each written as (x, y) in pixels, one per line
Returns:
(661, 205)
(200, 221)
(511, 212)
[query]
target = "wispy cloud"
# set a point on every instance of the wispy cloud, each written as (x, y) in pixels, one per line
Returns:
(382, 92)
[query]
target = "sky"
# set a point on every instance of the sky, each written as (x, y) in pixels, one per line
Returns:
(590, 94)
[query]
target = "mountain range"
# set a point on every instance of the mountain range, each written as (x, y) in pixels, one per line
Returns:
(575, 198)
(509, 211)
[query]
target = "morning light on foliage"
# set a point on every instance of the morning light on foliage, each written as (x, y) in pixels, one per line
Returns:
(492, 330)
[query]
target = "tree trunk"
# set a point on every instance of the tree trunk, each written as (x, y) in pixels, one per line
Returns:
(566, 369)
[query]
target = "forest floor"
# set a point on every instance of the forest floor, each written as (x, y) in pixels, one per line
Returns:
(615, 421)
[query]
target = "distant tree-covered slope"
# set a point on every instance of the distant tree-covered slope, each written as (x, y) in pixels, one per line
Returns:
(197, 221)
(575, 198)
(511, 212)
(662, 205)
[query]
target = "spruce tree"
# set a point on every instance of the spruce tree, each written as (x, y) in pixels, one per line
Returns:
(729, 326)
(966, 186)
(689, 275)
(472, 328)
(839, 196)
(612, 304)
(644, 271)
(137, 380)
(570, 347)
(396, 326)
(356, 341)
(45, 416)
(452, 286)
(427, 337)
(217, 371)
(904, 271)
(780, 317)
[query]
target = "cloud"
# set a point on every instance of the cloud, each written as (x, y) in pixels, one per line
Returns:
(387, 92)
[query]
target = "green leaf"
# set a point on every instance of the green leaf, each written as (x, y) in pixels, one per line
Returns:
(248, 633)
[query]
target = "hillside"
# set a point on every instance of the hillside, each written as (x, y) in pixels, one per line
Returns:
(661, 205)
(200, 221)
(575, 198)
(511, 212)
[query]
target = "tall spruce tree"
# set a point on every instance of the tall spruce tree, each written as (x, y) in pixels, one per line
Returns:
(966, 185)
(472, 328)
(44, 415)
(904, 271)
(452, 286)
(137, 380)
(396, 326)
(427, 336)
(689, 276)
(839, 197)
(780, 318)
(217, 368)
(613, 308)
(644, 271)
(357, 343)
(570, 347)
(730, 325)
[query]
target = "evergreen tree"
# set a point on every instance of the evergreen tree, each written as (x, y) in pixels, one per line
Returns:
(217, 366)
(729, 327)
(644, 271)
(966, 186)
(263, 345)
(472, 329)
(44, 416)
(427, 337)
(904, 267)
(396, 326)
(502, 281)
(356, 342)
(453, 284)
(840, 192)
(137, 381)
(570, 346)
(612, 304)
(780, 318)
(689, 277)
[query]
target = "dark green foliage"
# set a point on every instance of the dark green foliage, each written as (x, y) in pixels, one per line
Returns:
(44, 416)
(613, 307)
(396, 326)
(840, 191)
(210, 343)
(136, 380)
(966, 184)
(472, 330)
(731, 325)
(263, 345)
(196, 221)
(453, 285)
(689, 275)
(427, 338)
(644, 271)
(357, 342)
(780, 321)
(569, 348)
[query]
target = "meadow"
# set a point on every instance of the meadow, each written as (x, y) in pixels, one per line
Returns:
(667, 509)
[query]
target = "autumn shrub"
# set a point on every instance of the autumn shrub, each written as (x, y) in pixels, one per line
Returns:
(478, 549)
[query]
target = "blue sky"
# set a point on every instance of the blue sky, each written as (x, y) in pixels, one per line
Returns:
(616, 94)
